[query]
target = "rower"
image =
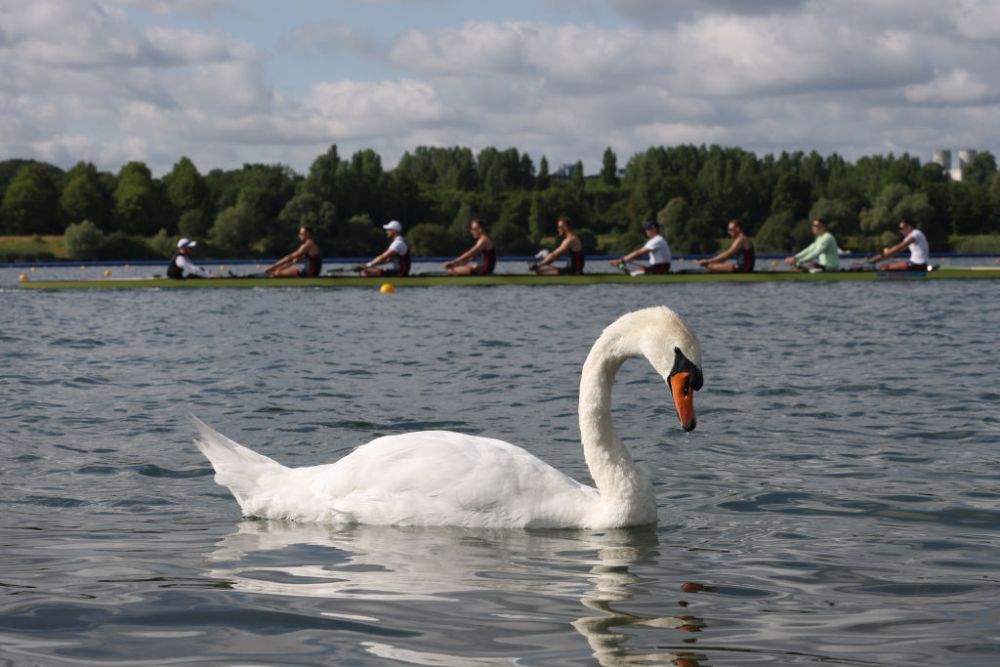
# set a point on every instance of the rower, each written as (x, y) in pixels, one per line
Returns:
(396, 256)
(307, 253)
(740, 252)
(913, 239)
(571, 246)
(181, 266)
(821, 255)
(482, 248)
(656, 247)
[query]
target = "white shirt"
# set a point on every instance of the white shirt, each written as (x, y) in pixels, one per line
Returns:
(188, 267)
(659, 250)
(920, 250)
(399, 247)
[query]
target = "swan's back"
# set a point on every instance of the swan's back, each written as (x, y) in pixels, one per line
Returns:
(445, 478)
(428, 478)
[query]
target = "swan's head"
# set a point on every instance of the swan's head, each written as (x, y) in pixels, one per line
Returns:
(662, 336)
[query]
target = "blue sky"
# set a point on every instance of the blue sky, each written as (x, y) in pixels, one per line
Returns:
(231, 81)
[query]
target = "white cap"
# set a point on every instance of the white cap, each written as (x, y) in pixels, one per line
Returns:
(186, 243)
(394, 226)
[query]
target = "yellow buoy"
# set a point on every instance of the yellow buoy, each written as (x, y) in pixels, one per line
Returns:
(83, 268)
(23, 277)
(107, 274)
(774, 263)
(387, 288)
(222, 267)
(34, 268)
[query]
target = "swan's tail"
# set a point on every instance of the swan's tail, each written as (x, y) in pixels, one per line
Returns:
(237, 467)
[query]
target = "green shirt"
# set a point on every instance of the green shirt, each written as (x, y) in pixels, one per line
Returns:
(823, 250)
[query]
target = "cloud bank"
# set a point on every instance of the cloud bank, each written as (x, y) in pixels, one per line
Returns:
(117, 80)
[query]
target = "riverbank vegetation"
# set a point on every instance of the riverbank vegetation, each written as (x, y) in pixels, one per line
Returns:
(254, 211)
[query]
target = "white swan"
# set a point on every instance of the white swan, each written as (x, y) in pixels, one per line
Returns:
(440, 478)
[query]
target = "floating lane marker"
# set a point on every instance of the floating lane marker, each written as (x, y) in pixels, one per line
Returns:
(387, 288)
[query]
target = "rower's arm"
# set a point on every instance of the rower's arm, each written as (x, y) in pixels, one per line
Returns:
(290, 258)
(554, 255)
(638, 252)
(383, 258)
(896, 249)
(469, 254)
(731, 251)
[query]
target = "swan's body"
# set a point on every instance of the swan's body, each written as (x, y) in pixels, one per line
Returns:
(440, 478)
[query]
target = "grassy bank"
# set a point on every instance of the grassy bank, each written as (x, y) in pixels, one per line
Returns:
(35, 248)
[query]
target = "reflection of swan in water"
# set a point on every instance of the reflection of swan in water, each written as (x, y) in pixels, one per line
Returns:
(613, 583)
(439, 478)
(366, 570)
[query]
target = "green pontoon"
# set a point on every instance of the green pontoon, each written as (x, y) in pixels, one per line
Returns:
(944, 273)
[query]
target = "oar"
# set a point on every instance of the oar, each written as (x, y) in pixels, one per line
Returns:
(342, 269)
(629, 268)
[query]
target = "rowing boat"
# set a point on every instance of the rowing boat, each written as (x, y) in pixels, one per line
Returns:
(944, 273)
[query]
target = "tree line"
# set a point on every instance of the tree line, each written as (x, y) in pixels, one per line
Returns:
(691, 190)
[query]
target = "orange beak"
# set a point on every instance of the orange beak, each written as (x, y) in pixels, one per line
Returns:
(680, 387)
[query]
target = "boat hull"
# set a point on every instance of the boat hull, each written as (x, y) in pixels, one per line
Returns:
(945, 273)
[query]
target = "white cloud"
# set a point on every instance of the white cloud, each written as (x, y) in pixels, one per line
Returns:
(361, 110)
(91, 81)
(958, 87)
(978, 19)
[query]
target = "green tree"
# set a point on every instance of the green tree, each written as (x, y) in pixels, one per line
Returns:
(163, 243)
(897, 201)
(360, 237)
(139, 206)
(431, 240)
(792, 194)
(673, 219)
(83, 240)
(186, 188)
(85, 197)
(775, 235)
(536, 219)
(305, 209)
(194, 224)
(359, 185)
(322, 178)
(235, 231)
(510, 239)
(980, 169)
(30, 203)
(609, 168)
(837, 213)
(577, 178)
(543, 179)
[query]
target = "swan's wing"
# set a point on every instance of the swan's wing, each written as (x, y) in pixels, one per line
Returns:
(444, 478)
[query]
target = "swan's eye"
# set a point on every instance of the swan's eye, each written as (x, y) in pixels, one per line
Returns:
(683, 364)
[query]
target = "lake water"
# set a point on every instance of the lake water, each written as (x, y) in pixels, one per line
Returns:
(839, 502)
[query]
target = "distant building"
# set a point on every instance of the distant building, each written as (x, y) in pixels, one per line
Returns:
(942, 157)
(564, 172)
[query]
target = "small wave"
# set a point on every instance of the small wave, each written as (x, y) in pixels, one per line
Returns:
(153, 470)
(54, 501)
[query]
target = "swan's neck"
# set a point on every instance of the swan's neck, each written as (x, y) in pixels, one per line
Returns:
(611, 467)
